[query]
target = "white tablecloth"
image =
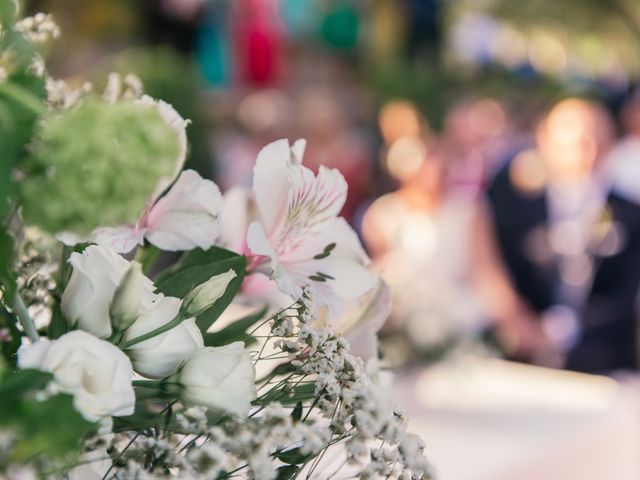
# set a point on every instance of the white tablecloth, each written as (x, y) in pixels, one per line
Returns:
(493, 420)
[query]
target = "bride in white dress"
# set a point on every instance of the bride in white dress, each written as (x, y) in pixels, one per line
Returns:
(419, 237)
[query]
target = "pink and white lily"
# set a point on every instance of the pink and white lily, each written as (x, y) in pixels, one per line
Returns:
(298, 238)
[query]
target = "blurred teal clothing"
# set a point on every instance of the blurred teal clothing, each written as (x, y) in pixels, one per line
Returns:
(213, 47)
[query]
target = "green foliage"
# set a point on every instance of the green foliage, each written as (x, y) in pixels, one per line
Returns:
(287, 471)
(21, 100)
(99, 163)
(279, 370)
(59, 325)
(9, 336)
(287, 395)
(594, 33)
(7, 13)
(236, 331)
(296, 415)
(7, 282)
(37, 423)
(293, 456)
(148, 416)
(198, 266)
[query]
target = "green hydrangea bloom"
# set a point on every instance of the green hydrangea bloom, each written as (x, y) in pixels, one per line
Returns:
(96, 164)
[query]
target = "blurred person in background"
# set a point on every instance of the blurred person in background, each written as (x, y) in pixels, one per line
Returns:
(419, 239)
(564, 246)
(475, 135)
(624, 158)
(257, 36)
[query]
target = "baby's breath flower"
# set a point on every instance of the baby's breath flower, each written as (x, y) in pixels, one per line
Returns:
(61, 96)
(38, 29)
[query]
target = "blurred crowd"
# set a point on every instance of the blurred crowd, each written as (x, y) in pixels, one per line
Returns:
(504, 224)
(531, 236)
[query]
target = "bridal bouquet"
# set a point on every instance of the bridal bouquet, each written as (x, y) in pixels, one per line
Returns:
(120, 271)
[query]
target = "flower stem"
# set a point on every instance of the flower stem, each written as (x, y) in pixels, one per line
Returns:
(164, 328)
(147, 256)
(23, 96)
(25, 319)
(63, 268)
(148, 383)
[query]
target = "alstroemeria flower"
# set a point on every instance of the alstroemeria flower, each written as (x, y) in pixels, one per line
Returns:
(360, 322)
(185, 217)
(299, 238)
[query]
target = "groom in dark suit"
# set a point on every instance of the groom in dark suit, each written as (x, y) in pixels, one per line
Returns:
(570, 240)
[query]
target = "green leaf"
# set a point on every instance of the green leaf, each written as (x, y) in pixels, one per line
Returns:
(7, 13)
(145, 418)
(279, 370)
(197, 257)
(287, 396)
(17, 384)
(142, 419)
(296, 415)
(10, 336)
(21, 97)
(293, 456)
(7, 282)
(58, 325)
(287, 472)
(52, 427)
(198, 266)
(235, 331)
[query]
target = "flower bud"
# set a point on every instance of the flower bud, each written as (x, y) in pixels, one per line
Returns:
(126, 301)
(219, 378)
(206, 294)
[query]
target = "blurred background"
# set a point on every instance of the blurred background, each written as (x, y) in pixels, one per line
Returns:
(492, 151)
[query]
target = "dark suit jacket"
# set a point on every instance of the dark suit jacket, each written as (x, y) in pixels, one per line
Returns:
(608, 317)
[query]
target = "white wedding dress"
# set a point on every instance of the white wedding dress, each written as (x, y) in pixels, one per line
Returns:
(428, 269)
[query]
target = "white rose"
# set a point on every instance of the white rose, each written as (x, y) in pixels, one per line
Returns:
(160, 356)
(97, 271)
(220, 378)
(94, 371)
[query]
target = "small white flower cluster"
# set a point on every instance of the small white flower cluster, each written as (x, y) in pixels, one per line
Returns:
(351, 401)
(35, 276)
(323, 402)
(253, 447)
(39, 28)
(192, 420)
(118, 88)
(61, 96)
(268, 440)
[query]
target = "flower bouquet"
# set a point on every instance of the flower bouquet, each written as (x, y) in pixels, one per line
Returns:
(119, 272)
